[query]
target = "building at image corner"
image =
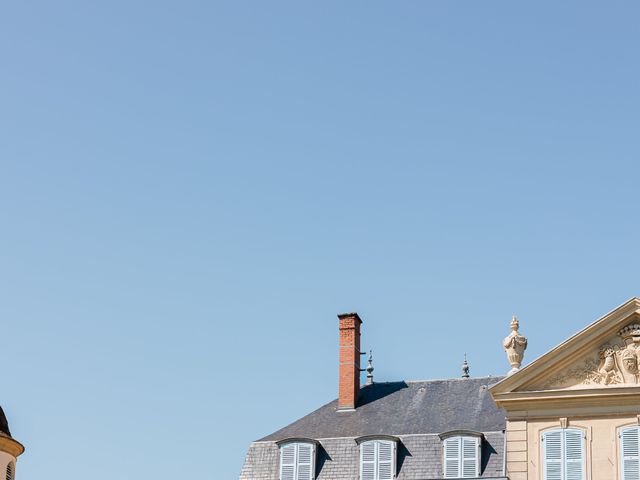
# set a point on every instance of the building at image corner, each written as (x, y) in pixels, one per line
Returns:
(572, 414)
(10, 450)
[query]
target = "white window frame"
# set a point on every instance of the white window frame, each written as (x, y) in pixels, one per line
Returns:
(460, 457)
(624, 475)
(376, 443)
(296, 460)
(564, 461)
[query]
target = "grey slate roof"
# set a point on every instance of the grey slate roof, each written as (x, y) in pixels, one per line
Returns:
(405, 408)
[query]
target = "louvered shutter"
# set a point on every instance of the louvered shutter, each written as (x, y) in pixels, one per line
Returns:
(452, 450)
(574, 454)
(305, 461)
(552, 455)
(470, 456)
(368, 461)
(385, 460)
(630, 453)
(288, 462)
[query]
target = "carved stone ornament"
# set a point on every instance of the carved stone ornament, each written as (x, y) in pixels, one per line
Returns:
(515, 345)
(616, 363)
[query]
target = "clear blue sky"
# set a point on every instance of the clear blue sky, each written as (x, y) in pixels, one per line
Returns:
(191, 191)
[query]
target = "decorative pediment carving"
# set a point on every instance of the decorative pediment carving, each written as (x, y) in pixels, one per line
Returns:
(615, 362)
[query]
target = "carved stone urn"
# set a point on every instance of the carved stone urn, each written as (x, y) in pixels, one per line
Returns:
(515, 345)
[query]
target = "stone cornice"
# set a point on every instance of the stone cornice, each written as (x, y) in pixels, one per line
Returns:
(607, 398)
(11, 446)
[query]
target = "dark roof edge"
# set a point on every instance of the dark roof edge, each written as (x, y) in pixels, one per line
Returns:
(366, 438)
(461, 433)
(296, 440)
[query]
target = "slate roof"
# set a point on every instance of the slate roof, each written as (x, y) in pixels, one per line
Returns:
(4, 424)
(405, 408)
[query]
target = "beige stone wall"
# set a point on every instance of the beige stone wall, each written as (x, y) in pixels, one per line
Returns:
(6, 459)
(524, 456)
(517, 455)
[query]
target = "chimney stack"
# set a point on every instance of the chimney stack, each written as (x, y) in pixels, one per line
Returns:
(349, 381)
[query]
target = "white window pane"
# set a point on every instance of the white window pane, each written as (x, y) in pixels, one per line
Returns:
(630, 442)
(631, 469)
(573, 446)
(287, 472)
(385, 450)
(288, 454)
(304, 472)
(553, 458)
(469, 457)
(452, 447)
(368, 471)
(553, 445)
(384, 471)
(553, 471)
(304, 453)
(469, 469)
(629, 447)
(368, 451)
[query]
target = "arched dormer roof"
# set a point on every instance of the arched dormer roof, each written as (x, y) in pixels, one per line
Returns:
(284, 441)
(367, 438)
(460, 433)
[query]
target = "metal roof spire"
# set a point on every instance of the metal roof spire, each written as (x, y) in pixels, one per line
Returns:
(465, 367)
(369, 369)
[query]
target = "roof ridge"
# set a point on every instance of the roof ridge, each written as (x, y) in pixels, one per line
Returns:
(450, 379)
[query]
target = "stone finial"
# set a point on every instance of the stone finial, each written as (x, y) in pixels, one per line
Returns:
(465, 367)
(515, 345)
(369, 369)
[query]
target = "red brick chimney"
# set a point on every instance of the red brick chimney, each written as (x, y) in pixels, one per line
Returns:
(349, 382)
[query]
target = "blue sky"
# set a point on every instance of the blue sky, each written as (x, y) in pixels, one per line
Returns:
(191, 191)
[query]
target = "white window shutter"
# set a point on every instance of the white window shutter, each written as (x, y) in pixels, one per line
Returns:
(452, 454)
(386, 462)
(288, 462)
(297, 461)
(564, 454)
(552, 448)
(574, 454)
(305, 461)
(378, 460)
(368, 460)
(630, 453)
(470, 463)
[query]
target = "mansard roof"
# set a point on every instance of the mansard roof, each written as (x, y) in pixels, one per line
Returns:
(405, 408)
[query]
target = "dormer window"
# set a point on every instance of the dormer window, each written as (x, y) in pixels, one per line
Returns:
(377, 458)
(461, 454)
(297, 459)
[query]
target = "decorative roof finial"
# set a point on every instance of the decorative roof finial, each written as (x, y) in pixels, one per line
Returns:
(515, 345)
(465, 367)
(369, 369)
